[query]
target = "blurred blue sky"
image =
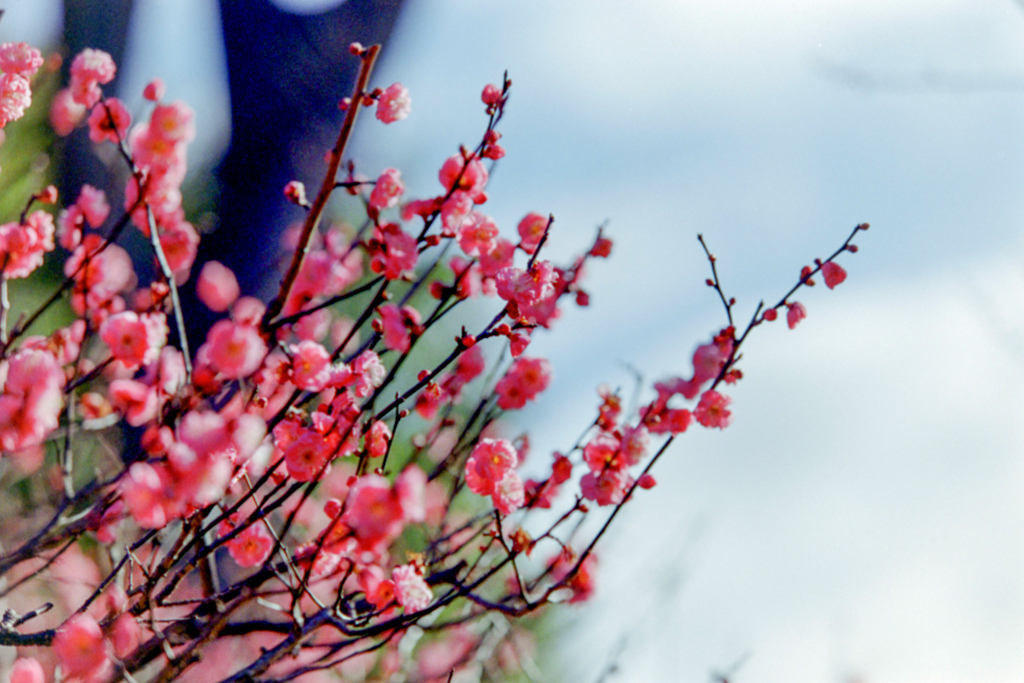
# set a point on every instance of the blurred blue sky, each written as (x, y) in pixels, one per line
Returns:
(863, 519)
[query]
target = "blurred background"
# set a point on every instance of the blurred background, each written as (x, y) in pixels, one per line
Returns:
(863, 517)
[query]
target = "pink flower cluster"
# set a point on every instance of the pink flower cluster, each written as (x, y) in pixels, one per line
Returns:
(490, 471)
(18, 62)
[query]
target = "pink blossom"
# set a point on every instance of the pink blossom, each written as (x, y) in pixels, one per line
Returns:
(173, 122)
(65, 112)
(22, 245)
(27, 670)
(143, 491)
(410, 490)
(833, 273)
(217, 286)
(154, 90)
(109, 120)
(712, 410)
(180, 243)
(15, 97)
(394, 103)
(377, 439)
(471, 177)
(508, 494)
(607, 487)
(497, 256)
(411, 591)
(491, 95)
(398, 325)
(797, 312)
(32, 398)
(135, 400)
(135, 339)
(100, 271)
(454, 212)
(397, 253)
(488, 464)
(311, 365)
(525, 288)
(373, 513)
(369, 373)
(531, 231)
(236, 351)
(80, 649)
(20, 58)
(477, 233)
(90, 69)
(252, 546)
(601, 453)
(524, 380)
(125, 634)
(93, 205)
(307, 456)
(388, 188)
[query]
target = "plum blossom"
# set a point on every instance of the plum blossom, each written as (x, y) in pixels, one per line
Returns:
(251, 547)
(394, 103)
(524, 380)
(387, 190)
(80, 649)
(797, 312)
(712, 410)
(411, 591)
(135, 339)
(833, 273)
(32, 398)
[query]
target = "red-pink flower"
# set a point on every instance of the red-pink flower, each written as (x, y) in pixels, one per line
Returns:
(795, 314)
(833, 273)
(109, 120)
(135, 339)
(90, 69)
(15, 97)
(477, 233)
(388, 188)
(65, 112)
(471, 177)
(526, 288)
(93, 205)
(144, 491)
(397, 253)
(607, 487)
(135, 400)
(27, 670)
(524, 380)
(217, 286)
(80, 649)
(31, 400)
(377, 439)
(411, 591)
(20, 58)
(251, 547)
(531, 231)
(509, 494)
(173, 122)
(22, 245)
(394, 103)
(234, 350)
(712, 410)
(311, 366)
(306, 457)
(497, 256)
(488, 464)
(154, 90)
(397, 325)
